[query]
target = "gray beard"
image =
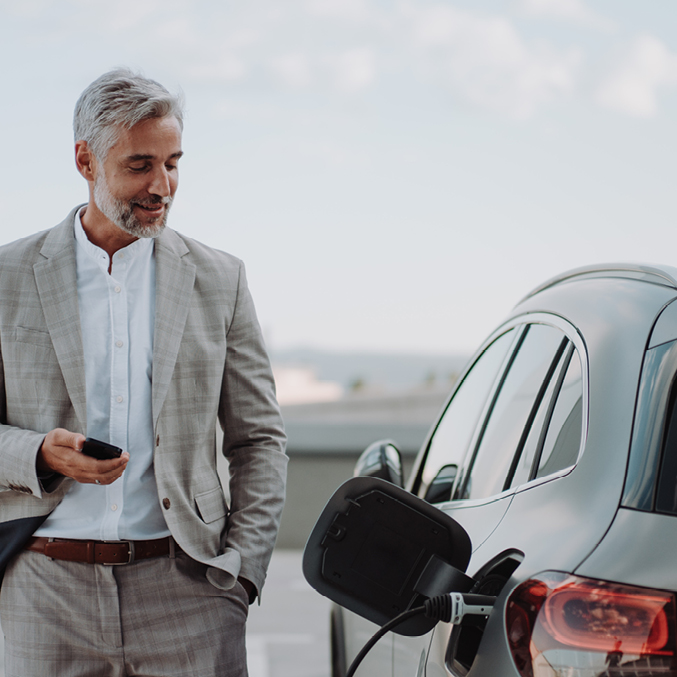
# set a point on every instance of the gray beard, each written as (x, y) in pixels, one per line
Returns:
(121, 213)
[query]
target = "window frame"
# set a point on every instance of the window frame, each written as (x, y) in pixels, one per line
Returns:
(556, 374)
(416, 478)
(519, 323)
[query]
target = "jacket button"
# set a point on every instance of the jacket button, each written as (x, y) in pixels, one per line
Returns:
(166, 503)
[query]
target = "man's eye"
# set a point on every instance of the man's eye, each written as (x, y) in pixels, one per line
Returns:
(138, 170)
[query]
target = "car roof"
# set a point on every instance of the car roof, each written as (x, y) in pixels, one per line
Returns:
(655, 274)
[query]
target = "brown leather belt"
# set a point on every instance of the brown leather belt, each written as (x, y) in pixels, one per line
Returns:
(102, 552)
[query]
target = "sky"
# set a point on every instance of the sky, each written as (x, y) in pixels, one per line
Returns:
(396, 175)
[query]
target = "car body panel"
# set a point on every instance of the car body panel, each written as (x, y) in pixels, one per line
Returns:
(640, 549)
(665, 328)
(358, 631)
(478, 518)
(558, 524)
(410, 655)
(569, 521)
(552, 531)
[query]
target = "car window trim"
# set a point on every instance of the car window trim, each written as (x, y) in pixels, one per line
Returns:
(417, 471)
(518, 323)
(466, 470)
(571, 333)
(552, 369)
(580, 348)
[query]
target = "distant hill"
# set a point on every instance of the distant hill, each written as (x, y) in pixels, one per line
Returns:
(388, 372)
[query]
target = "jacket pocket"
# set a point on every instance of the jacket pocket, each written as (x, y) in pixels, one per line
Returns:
(211, 505)
(33, 336)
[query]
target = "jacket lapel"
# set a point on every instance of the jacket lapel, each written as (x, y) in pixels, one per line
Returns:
(55, 277)
(174, 280)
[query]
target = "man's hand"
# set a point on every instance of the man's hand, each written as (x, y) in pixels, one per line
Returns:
(248, 588)
(61, 453)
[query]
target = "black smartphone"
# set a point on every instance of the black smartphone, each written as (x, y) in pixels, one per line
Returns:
(100, 450)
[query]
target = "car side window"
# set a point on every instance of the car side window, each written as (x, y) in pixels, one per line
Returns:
(454, 431)
(524, 464)
(555, 436)
(513, 411)
(563, 439)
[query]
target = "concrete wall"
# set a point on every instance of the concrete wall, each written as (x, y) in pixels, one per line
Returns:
(311, 481)
(327, 438)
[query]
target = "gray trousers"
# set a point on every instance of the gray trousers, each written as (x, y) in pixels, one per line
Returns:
(158, 617)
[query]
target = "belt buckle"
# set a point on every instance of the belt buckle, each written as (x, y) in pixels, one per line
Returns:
(130, 545)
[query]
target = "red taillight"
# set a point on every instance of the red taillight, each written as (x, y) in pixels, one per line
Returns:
(562, 624)
(594, 617)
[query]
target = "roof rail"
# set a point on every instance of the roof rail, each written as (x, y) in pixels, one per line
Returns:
(658, 274)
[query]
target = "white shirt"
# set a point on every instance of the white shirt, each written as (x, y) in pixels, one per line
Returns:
(117, 315)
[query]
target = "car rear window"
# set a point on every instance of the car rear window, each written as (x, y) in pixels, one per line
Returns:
(651, 480)
(655, 404)
(666, 496)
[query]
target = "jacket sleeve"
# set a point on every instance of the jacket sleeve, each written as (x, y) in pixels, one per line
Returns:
(254, 441)
(19, 448)
(33, 395)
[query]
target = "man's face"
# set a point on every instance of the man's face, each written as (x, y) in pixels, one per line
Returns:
(135, 184)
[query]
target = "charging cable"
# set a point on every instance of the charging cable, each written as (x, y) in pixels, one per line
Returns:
(449, 608)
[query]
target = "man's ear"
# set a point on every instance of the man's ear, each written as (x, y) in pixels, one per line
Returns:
(85, 160)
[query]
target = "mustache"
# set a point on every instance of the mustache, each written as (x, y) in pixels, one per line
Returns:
(154, 200)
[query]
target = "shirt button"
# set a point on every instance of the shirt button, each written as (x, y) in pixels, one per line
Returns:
(119, 344)
(114, 507)
(121, 255)
(166, 504)
(118, 289)
(119, 398)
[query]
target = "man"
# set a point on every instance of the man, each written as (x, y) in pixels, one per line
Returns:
(117, 328)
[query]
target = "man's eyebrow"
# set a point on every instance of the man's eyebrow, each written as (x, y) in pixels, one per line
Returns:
(140, 156)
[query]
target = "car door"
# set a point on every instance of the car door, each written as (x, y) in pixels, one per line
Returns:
(538, 475)
(490, 431)
(448, 445)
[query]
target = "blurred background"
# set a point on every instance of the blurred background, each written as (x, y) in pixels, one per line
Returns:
(396, 174)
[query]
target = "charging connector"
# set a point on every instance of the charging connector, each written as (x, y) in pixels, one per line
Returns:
(451, 607)
(454, 606)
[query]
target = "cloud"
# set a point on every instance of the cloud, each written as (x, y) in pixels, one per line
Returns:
(292, 69)
(329, 152)
(354, 69)
(179, 31)
(633, 88)
(124, 15)
(344, 45)
(486, 62)
(220, 68)
(234, 109)
(30, 9)
(354, 10)
(568, 10)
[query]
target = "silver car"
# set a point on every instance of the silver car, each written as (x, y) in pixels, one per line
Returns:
(557, 454)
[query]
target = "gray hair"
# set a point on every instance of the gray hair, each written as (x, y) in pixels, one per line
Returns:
(120, 98)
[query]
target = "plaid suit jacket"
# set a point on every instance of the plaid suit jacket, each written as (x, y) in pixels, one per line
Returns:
(209, 367)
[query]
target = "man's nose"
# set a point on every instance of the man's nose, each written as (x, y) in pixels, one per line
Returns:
(160, 183)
